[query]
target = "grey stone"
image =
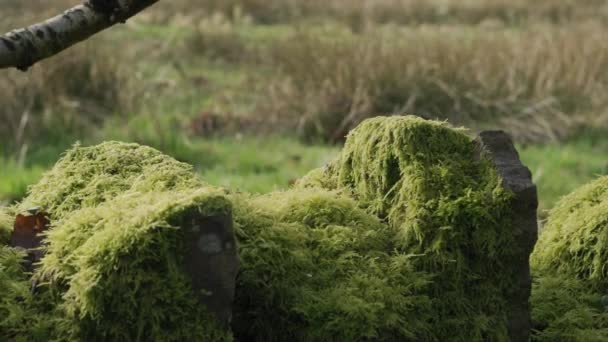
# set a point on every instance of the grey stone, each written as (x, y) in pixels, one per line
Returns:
(212, 262)
(498, 146)
(210, 244)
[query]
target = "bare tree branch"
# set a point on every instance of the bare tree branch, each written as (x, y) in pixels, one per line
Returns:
(23, 48)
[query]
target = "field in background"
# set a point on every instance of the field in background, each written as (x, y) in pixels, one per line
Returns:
(254, 93)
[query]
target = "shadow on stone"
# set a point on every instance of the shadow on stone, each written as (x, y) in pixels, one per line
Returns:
(212, 262)
(516, 177)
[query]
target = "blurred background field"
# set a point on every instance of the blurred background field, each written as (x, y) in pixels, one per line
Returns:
(254, 93)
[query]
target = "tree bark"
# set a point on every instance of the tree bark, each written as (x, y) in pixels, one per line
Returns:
(24, 47)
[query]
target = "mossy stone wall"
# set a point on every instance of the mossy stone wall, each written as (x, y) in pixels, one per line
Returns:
(451, 213)
(122, 218)
(408, 235)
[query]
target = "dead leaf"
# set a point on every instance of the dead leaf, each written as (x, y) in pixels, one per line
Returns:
(27, 233)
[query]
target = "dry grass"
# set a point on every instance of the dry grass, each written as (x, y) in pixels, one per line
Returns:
(20, 13)
(535, 80)
(73, 92)
(510, 12)
(361, 12)
(215, 37)
(356, 13)
(536, 67)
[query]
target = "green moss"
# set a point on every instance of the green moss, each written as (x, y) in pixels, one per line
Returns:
(315, 267)
(118, 266)
(15, 289)
(575, 239)
(21, 317)
(6, 225)
(569, 262)
(405, 236)
(447, 209)
(567, 310)
(112, 269)
(88, 176)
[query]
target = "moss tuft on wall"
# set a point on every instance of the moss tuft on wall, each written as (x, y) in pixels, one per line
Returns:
(315, 267)
(113, 265)
(446, 209)
(575, 239)
(566, 309)
(118, 266)
(23, 316)
(569, 264)
(6, 225)
(89, 176)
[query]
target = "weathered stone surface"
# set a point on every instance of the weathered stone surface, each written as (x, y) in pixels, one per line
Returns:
(212, 262)
(498, 146)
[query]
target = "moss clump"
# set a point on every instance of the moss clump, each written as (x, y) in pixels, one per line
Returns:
(6, 226)
(89, 176)
(112, 269)
(118, 266)
(447, 209)
(315, 267)
(15, 290)
(22, 316)
(569, 264)
(565, 309)
(575, 238)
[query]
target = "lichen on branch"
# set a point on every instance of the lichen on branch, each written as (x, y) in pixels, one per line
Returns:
(22, 48)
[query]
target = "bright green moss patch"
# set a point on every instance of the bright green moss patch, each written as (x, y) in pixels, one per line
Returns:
(119, 264)
(565, 309)
(23, 317)
(569, 263)
(88, 176)
(315, 267)
(112, 269)
(575, 239)
(20, 319)
(15, 290)
(447, 210)
(6, 226)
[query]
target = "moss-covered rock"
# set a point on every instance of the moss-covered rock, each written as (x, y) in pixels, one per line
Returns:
(6, 225)
(118, 266)
(315, 267)
(113, 268)
(14, 291)
(565, 309)
(569, 264)
(89, 176)
(575, 239)
(23, 317)
(405, 236)
(447, 209)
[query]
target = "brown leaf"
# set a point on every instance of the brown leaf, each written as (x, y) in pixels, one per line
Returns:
(27, 232)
